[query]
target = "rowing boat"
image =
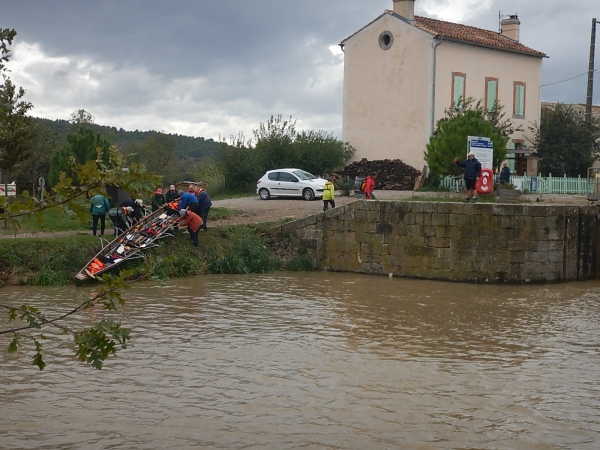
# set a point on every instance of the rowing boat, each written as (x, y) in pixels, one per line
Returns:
(130, 244)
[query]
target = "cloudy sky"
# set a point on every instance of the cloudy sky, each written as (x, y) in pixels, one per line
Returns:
(215, 67)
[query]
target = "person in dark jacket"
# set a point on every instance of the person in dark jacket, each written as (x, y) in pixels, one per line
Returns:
(472, 172)
(99, 208)
(172, 194)
(505, 174)
(204, 204)
(158, 200)
(136, 205)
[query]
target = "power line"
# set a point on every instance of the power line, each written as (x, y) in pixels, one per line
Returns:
(568, 79)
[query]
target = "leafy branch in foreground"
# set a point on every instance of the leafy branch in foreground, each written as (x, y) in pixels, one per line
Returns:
(88, 177)
(95, 343)
(93, 177)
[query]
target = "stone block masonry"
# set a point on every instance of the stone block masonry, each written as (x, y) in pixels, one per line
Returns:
(496, 243)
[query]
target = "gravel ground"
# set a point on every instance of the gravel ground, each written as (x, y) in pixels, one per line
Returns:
(254, 210)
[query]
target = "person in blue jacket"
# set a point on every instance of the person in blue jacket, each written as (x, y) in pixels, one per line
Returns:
(189, 200)
(505, 174)
(472, 172)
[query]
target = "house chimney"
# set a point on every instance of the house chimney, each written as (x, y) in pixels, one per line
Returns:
(510, 27)
(405, 8)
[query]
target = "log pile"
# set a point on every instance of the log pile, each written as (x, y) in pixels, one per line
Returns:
(389, 174)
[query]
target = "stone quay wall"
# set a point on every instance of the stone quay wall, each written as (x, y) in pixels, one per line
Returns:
(496, 243)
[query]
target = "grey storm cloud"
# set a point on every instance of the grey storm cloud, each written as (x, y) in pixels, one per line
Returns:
(210, 68)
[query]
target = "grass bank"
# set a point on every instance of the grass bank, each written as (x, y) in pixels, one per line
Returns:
(228, 250)
(55, 219)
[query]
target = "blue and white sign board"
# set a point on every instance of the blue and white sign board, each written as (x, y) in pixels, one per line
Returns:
(484, 150)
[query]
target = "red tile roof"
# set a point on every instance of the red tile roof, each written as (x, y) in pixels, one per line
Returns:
(472, 35)
(463, 33)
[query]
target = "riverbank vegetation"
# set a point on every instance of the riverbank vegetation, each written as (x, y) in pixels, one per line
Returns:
(223, 250)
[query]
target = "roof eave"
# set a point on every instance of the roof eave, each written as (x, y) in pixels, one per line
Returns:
(366, 26)
(493, 47)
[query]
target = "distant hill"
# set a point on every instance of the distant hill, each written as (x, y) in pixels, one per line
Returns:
(187, 146)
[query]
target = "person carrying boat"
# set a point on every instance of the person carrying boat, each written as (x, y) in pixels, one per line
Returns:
(171, 194)
(192, 189)
(193, 222)
(158, 200)
(204, 204)
(121, 218)
(99, 208)
(137, 205)
(189, 200)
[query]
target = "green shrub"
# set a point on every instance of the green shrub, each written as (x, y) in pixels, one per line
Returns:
(50, 277)
(345, 185)
(506, 186)
(248, 255)
(302, 263)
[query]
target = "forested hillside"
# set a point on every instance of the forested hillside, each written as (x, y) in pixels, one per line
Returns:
(196, 148)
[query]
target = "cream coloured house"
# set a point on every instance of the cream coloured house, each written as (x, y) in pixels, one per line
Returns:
(402, 71)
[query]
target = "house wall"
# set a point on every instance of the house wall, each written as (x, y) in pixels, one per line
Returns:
(387, 93)
(478, 63)
(495, 243)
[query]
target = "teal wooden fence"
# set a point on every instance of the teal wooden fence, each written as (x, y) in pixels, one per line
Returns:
(526, 184)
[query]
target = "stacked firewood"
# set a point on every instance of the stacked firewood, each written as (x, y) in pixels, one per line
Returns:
(389, 174)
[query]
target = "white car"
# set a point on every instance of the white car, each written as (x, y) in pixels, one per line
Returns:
(290, 183)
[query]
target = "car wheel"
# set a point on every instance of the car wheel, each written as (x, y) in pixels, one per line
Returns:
(308, 194)
(264, 194)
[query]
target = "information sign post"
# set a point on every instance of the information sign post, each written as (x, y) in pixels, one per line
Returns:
(484, 150)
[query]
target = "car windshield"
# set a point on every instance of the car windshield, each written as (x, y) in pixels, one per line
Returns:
(304, 175)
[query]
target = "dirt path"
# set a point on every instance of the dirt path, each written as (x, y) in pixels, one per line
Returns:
(254, 210)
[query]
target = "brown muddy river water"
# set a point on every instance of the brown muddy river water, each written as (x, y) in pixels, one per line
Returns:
(319, 360)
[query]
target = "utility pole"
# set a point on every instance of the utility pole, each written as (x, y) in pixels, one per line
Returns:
(590, 87)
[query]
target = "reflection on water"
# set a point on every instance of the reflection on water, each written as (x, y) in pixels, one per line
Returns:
(320, 360)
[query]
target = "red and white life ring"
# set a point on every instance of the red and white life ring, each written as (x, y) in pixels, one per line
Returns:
(485, 183)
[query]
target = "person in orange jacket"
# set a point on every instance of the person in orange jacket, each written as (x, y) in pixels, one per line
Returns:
(369, 188)
(193, 222)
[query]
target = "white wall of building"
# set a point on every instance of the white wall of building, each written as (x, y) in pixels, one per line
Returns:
(480, 62)
(387, 93)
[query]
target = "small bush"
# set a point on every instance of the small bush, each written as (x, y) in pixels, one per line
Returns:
(48, 277)
(248, 255)
(506, 186)
(302, 263)
(345, 185)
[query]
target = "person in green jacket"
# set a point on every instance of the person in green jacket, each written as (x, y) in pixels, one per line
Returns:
(99, 208)
(121, 218)
(158, 200)
(328, 195)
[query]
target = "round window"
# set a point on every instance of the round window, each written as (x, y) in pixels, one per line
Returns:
(386, 40)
